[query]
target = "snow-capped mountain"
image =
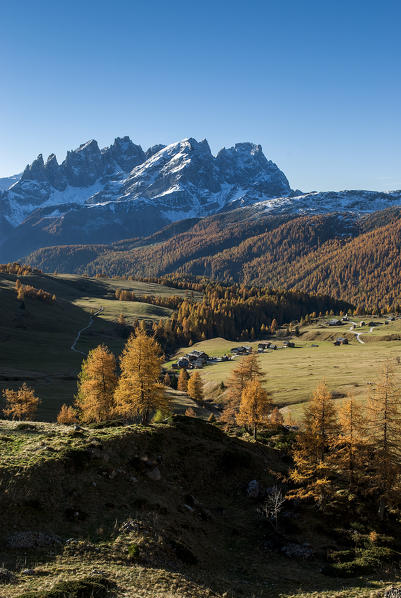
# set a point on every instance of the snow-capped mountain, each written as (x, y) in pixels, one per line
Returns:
(102, 195)
(6, 182)
(121, 191)
(356, 202)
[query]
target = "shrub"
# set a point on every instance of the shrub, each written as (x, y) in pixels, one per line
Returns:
(159, 417)
(133, 551)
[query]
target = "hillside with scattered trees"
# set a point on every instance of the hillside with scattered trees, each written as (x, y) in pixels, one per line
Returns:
(357, 260)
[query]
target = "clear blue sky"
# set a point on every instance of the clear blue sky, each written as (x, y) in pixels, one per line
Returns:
(317, 83)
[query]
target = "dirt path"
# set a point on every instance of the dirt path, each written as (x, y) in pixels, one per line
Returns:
(91, 320)
(358, 334)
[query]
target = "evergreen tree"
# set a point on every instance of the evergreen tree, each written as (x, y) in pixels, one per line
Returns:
(383, 427)
(255, 406)
(195, 387)
(96, 385)
(183, 380)
(276, 417)
(349, 454)
(248, 369)
(21, 403)
(313, 468)
(167, 379)
(67, 415)
(139, 393)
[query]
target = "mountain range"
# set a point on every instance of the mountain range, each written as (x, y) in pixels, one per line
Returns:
(180, 210)
(121, 191)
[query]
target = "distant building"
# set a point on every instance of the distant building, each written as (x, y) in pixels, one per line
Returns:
(264, 345)
(288, 344)
(341, 341)
(241, 350)
(334, 322)
(183, 362)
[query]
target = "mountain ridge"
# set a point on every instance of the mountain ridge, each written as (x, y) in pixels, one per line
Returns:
(121, 191)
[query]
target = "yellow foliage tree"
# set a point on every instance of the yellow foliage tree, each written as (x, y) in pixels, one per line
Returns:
(67, 415)
(96, 385)
(255, 406)
(139, 392)
(276, 417)
(349, 446)
(383, 428)
(248, 369)
(195, 387)
(313, 469)
(167, 379)
(183, 378)
(21, 403)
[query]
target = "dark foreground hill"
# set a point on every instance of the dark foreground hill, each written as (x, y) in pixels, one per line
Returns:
(356, 259)
(165, 510)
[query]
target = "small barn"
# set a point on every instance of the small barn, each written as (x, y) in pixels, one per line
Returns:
(288, 344)
(334, 322)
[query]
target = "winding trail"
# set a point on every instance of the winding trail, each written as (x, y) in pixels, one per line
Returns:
(91, 320)
(358, 334)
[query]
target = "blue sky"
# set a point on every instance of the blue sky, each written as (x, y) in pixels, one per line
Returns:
(317, 83)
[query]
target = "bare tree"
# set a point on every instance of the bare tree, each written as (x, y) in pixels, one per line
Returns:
(273, 505)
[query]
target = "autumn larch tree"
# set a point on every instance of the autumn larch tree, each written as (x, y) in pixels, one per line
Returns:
(139, 392)
(183, 378)
(21, 403)
(349, 454)
(67, 415)
(383, 427)
(311, 452)
(276, 418)
(96, 385)
(167, 379)
(248, 369)
(255, 406)
(195, 387)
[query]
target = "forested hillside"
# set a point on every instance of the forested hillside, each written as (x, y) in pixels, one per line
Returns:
(357, 260)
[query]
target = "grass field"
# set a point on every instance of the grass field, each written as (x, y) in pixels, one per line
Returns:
(35, 342)
(292, 374)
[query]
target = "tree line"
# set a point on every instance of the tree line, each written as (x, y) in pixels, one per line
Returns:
(350, 454)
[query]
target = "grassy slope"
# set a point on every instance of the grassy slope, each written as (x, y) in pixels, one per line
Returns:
(292, 374)
(35, 342)
(84, 485)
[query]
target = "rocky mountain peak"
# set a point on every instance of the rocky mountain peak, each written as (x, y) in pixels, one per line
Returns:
(125, 153)
(151, 151)
(246, 163)
(35, 171)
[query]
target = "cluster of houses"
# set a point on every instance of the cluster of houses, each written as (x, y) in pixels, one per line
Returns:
(262, 347)
(194, 359)
(198, 359)
(336, 322)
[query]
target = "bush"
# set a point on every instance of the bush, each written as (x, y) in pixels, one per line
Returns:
(365, 560)
(159, 417)
(133, 551)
